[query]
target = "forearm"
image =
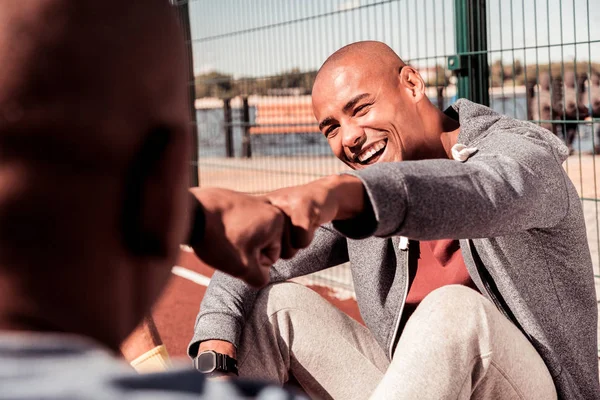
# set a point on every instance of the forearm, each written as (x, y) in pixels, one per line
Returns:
(144, 338)
(144, 349)
(223, 311)
(349, 194)
(436, 199)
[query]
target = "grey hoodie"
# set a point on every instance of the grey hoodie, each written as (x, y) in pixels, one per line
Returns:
(521, 228)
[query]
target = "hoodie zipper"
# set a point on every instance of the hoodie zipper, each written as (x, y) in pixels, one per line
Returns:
(404, 295)
(492, 290)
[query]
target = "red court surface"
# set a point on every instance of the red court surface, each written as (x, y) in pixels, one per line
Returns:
(175, 313)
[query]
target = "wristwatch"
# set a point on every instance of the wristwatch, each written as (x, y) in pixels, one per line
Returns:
(210, 361)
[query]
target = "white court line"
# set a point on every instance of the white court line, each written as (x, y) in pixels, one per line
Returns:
(190, 275)
(193, 276)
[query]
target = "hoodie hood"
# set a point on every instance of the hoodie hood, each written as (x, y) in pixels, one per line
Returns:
(481, 119)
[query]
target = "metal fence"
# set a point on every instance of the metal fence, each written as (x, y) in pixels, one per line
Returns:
(255, 61)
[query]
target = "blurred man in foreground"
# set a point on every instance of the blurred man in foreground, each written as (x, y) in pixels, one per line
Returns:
(94, 203)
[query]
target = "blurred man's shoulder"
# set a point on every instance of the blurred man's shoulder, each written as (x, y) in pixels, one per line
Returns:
(34, 366)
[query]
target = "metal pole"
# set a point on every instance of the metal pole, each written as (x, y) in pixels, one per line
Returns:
(228, 127)
(462, 46)
(529, 93)
(479, 82)
(440, 97)
(470, 63)
(183, 13)
(246, 142)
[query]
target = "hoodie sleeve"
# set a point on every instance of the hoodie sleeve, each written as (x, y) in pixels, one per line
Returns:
(228, 300)
(512, 183)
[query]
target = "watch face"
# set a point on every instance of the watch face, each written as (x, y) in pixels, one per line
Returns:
(207, 362)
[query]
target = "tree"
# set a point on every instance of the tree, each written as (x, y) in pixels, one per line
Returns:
(436, 76)
(215, 84)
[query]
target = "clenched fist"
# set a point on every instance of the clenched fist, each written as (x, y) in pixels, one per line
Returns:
(313, 204)
(243, 236)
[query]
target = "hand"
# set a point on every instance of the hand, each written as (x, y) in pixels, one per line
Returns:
(311, 205)
(243, 234)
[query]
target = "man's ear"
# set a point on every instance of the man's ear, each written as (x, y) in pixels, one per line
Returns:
(152, 194)
(411, 81)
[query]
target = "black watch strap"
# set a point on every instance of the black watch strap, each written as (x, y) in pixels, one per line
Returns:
(226, 364)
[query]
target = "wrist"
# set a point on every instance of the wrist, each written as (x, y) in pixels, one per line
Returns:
(349, 194)
(220, 346)
(220, 376)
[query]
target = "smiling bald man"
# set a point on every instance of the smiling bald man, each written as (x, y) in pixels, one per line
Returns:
(94, 150)
(467, 247)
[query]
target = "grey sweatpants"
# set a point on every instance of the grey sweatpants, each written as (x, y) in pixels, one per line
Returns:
(456, 345)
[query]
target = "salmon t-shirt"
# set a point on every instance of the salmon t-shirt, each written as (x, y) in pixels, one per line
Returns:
(440, 264)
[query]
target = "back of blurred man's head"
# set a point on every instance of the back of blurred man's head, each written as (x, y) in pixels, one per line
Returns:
(93, 173)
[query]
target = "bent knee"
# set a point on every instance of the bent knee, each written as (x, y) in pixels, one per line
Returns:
(454, 305)
(453, 296)
(284, 295)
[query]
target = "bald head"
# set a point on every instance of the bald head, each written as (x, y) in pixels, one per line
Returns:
(372, 107)
(368, 55)
(85, 66)
(93, 159)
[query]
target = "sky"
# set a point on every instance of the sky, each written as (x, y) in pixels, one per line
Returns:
(255, 38)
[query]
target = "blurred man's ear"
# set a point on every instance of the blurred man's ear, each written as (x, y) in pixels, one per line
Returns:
(152, 194)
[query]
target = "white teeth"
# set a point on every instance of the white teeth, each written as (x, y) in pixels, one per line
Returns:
(371, 151)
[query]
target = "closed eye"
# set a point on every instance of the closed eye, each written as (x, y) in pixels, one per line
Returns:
(360, 108)
(330, 130)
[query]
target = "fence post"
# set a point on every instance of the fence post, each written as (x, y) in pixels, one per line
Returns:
(246, 142)
(183, 13)
(470, 63)
(529, 94)
(440, 97)
(228, 127)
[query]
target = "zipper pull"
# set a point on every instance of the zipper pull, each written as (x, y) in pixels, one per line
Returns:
(403, 245)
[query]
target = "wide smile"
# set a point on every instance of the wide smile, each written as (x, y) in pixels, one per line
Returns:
(371, 154)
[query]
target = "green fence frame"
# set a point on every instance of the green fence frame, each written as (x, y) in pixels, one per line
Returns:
(470, 62)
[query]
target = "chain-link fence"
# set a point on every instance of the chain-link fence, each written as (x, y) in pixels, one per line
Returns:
(544, 60)
(255, 62)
